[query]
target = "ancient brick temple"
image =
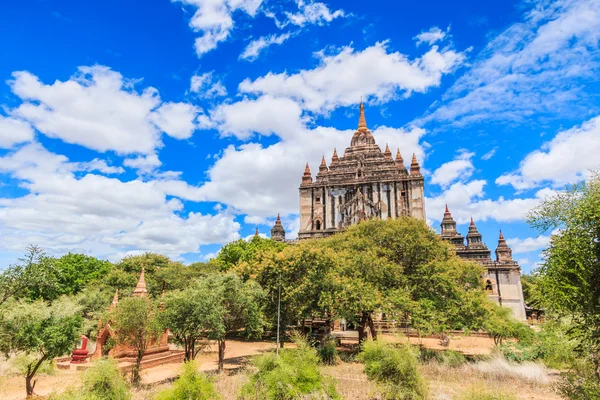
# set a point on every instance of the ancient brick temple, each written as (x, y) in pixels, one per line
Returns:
(503, 275)
(368, 183)
(363, 183)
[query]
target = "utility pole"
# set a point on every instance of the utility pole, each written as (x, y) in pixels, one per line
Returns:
(278, 313)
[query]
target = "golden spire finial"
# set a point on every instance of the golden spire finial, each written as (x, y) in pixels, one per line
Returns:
(362, 122)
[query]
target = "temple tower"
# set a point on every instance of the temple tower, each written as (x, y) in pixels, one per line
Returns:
(277, 232)
(363, 183)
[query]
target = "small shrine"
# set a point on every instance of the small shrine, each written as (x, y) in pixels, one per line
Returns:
(157, 353)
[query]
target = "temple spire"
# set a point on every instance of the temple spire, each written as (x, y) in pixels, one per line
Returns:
(447, 211)
(307, 177)
(323, 166)
(141, 289)
(362, 122)
(415, 169)
(335, 157)
(387, 153)
(256, 232)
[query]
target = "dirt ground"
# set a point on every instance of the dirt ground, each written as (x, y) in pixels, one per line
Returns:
(351, 382)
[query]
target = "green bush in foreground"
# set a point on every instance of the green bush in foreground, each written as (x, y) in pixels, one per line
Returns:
(328, 351)
(294, 374)
(103, 381)
(580, 382)
(191, 385)
(481, 393)
(395, 368)
(450, 358)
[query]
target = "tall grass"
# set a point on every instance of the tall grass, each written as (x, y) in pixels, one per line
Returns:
(294, 374)
(479, 392)
(395, 369)
(103, 381)
(191, 385)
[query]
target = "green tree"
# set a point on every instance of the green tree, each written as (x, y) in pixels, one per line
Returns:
(39, 329)
(569, 283)
(34, 276)
(190, 315)
(191, 385)
(75, 271)
(236, 305)
(134, 321)
(234, 253)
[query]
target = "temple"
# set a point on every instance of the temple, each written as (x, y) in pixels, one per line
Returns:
(502, 277)
(363, 183)
(369, 183)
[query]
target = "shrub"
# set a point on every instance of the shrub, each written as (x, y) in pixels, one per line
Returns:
(191, 385)
(481, 393)
(451, 358)
(328, 351)
(395, 368)
(294, 374)
(103, 381)
(580, 382)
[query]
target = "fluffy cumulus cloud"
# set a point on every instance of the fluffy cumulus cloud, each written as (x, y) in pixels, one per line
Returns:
(213, 19)
(313, 12)
(13, 131)
(263, 181)
(206, 87)
(255, 47)
(528, 244)
(538, 66)
(342, 78)
(431, 36)
(64, 211)
(567, 158)
(467, 199)
(99, 109)
(266, 115)
(459, 168)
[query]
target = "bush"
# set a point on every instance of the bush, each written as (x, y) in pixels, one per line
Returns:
(395, 368)
(451, 358)
(328, 351)
(580, 383)
(294, 374)
(191, 385)
(103, 381)
(481, 393)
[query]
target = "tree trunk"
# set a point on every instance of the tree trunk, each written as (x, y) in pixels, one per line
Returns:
(29, 385)
(372, 326)
(363, 327)
(135, 372)
(221, 343)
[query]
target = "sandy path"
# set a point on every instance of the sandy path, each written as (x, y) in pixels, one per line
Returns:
(13, 388)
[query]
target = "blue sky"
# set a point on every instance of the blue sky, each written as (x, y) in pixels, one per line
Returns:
(177, 126)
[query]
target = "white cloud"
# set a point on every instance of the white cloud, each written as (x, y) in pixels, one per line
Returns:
(567, 158)
(99, 165)
(312, 12)
(13, 131)
(528, 244)
(431, 36)
(536, 67)
(265, 115)
(459, 168)
(255, 47)
(466, 200)
(96, 214)
(214, 20)
(206, 87)
(489, 154)
(99, 109)
(343, 78)
(176, 119)
(263, 181)
(144, 164)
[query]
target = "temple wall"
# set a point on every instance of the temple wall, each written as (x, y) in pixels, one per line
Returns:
(510, 291)
(417, 199)
(306, 209)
